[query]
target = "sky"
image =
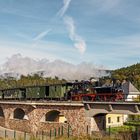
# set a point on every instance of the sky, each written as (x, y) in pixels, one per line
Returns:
(102, 32)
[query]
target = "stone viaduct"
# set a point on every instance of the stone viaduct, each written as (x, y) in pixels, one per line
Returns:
(33, 117)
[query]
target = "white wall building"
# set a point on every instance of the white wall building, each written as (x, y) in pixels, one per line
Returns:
(130, 91)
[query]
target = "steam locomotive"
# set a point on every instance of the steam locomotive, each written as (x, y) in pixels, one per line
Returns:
(87, 92)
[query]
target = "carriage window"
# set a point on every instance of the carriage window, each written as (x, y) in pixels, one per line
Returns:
(55, 88)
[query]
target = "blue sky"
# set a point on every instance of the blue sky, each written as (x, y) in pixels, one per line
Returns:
(102, 32)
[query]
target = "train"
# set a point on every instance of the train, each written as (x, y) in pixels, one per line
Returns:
(70, 91)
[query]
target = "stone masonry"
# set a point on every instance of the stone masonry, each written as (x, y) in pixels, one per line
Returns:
(74, 113)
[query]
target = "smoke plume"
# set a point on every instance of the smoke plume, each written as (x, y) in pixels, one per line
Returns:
(25, 65)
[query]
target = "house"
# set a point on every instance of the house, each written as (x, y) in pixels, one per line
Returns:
(114, 120)
(130, 91)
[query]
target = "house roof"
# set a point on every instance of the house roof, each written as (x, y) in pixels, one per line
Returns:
(129, 88)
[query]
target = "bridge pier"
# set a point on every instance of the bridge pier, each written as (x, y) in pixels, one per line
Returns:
(97, 123)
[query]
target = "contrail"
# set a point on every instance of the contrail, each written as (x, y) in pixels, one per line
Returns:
(79, 42)
(62, 11)
(41, 35)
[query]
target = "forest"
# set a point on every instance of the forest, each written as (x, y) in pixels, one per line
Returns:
(130, 73)
(29, 80)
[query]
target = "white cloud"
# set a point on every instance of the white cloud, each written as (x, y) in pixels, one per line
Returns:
(25, 49)
(79, 42)
(64, 8)
(50, 50)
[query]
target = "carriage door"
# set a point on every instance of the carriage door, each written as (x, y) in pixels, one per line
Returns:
(23, 93)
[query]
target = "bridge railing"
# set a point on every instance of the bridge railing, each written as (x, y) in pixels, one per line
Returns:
(131, 97)
(39, 135)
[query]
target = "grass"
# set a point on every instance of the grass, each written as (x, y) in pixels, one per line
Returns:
(71, 138)
(120, 136)
(124, 128)
(132, 123)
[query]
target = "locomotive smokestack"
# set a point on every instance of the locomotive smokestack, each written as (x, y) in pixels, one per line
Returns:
(94, 81)
(113, 82)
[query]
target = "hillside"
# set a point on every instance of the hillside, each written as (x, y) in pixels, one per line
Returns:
(131, 73)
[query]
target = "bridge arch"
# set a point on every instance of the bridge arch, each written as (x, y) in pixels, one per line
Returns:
(55, 116)
(100, 120)
(52, 116)
(1, 112)
(19, 114)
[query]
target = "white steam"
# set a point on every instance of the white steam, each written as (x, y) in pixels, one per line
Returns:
(61, 69)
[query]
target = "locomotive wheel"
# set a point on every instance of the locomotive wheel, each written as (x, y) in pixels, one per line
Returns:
(112, 99)
(86, 98)
(97, 98)
(104, 98)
